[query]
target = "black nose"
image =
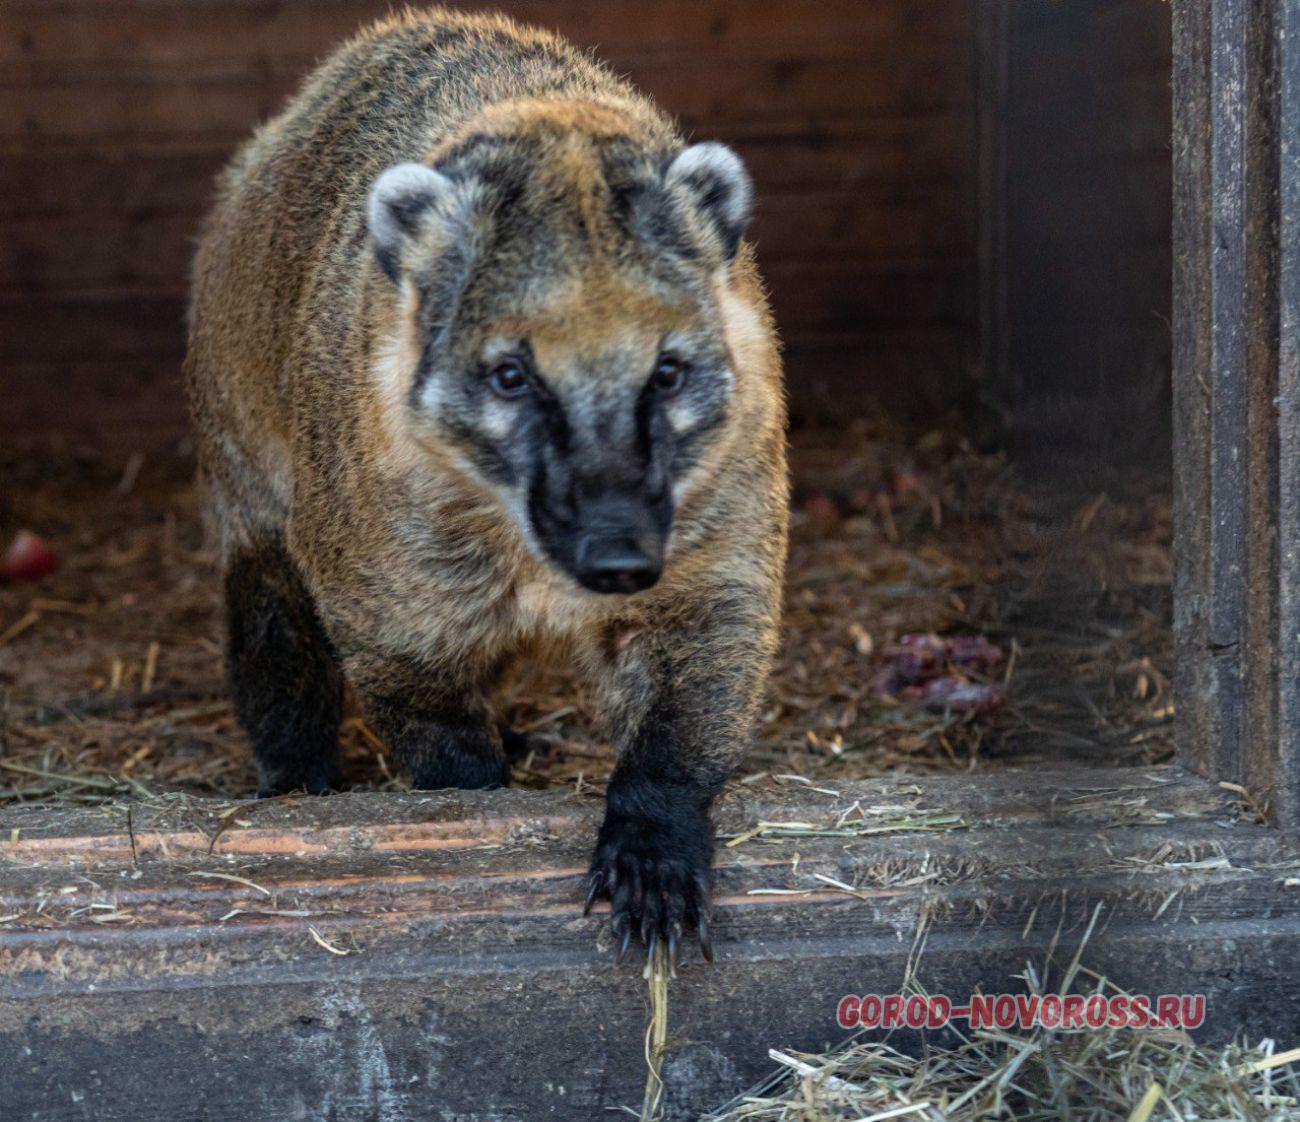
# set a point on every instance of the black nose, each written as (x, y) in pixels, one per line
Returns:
(615, 565)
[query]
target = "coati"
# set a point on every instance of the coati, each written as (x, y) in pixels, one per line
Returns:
(480, 366)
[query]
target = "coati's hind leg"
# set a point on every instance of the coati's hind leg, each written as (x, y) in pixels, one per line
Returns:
(517, 744)
(283, 673)
(437, 725)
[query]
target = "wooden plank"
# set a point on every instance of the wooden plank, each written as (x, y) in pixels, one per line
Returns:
(472, 987)
(113, 110)
(876, 157)
(1256, 585)
(80, 32)
(1288, 414)
(221, 98)
(129, 182)
(97, 251)
(853, 119)
(1228, 373)
(1192, 234)
(1134, 195)
(873, 62)
(813, 296)
(810, 296)
(1096, 44)
(136, 403)
(106, 325)
(1085, 247)
(1235, 85)
(895, 334)
(89, 250)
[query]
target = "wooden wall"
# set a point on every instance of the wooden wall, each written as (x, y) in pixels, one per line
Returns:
(856, 118)
(1085, 205)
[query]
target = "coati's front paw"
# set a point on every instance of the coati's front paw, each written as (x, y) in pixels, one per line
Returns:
(655, 872)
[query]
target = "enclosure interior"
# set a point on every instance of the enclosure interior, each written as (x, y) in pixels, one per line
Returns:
(963, 218)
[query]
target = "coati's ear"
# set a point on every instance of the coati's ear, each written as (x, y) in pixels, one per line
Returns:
(714, 180)
(406, 202)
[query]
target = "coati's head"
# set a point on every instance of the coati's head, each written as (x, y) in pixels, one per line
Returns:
(558, 276)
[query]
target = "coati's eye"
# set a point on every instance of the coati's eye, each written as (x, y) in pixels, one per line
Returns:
(669, 376)
(508, 378)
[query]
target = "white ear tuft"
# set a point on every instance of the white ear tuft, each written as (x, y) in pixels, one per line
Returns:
(716, 181)
(399, 202)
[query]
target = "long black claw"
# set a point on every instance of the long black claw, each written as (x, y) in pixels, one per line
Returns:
(706, 942)
(655, 875)
(596, 880)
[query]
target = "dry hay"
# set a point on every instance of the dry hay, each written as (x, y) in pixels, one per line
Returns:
(1031, 1075)
(1106, 1076)
(110, 670)
(1038, 1074)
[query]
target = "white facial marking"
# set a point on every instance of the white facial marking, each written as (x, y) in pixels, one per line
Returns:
(498, 418)
(396, 356)
(742, 327)
(681, 414)
(432, 395)
(390, 367)
(516, 508)
(498, 347)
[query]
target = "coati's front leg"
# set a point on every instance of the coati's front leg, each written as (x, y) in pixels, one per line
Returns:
(435, 721)
(681, 701)
(284, 674)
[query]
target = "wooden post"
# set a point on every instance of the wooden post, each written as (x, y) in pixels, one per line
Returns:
(1236, 88)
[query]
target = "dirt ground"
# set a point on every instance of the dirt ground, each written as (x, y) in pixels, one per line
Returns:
(111, 678)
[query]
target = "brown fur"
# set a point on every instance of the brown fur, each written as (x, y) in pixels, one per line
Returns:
(302, 356)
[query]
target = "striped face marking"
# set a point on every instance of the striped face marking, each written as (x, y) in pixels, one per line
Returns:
(586, 420)
(570, 340)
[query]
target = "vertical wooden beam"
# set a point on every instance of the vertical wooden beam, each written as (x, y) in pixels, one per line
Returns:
(1288, 398)
(1236, 416)
(1191, 391)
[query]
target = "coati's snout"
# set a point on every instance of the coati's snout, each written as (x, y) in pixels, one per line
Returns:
(616, 564)
(608, 538)
(587, 458)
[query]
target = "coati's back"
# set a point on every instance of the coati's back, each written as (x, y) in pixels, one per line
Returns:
(290, 208)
